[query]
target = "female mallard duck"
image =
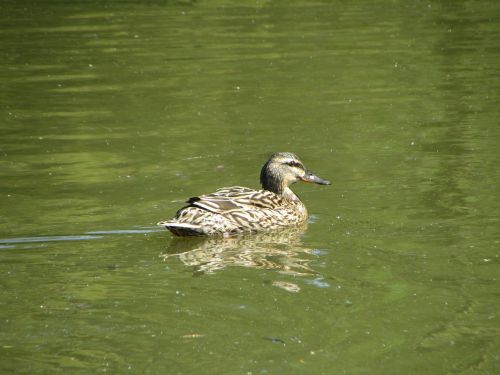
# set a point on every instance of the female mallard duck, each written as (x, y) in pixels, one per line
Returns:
(237, 209)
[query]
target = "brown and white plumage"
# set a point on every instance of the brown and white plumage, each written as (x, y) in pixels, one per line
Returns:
(237, 209)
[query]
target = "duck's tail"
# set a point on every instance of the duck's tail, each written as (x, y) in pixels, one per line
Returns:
(182, 229)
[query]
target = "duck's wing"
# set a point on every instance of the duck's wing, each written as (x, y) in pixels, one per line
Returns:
(236, 198)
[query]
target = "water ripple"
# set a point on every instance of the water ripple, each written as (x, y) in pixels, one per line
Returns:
(94, 235)
(48, 239)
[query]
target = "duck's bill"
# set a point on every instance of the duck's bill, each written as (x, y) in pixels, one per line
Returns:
(312, 178)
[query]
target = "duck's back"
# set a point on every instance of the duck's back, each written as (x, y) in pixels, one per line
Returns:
(233, 210)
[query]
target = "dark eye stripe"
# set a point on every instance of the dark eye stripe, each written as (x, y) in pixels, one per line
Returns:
(294, 164)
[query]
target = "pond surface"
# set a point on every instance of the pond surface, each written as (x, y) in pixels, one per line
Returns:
(114, 112)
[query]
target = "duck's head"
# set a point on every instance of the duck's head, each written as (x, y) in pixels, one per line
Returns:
(283, 169)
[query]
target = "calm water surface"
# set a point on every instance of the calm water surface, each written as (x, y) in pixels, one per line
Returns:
(114, 112)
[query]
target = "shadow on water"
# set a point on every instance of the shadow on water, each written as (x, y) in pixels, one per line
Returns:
(282, 251)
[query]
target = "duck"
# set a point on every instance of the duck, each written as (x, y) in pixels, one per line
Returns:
(236, 209)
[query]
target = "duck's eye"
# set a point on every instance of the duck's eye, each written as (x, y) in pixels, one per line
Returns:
(294, 164)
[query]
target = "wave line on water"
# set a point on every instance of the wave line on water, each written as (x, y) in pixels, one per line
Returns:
(48, 239)
(125, 231)
(93, 235)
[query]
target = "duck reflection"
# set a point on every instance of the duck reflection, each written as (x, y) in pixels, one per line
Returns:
(282, 251)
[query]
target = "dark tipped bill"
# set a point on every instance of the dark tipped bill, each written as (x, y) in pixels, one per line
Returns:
(309, 177)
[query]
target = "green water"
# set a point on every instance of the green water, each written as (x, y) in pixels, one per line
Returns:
(112, 113)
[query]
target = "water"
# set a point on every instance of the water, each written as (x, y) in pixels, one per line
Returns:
(113, 113)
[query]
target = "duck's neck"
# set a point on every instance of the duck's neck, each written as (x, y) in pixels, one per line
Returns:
(289, 195)
(281, 189)
(271, 180)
